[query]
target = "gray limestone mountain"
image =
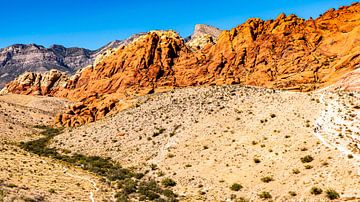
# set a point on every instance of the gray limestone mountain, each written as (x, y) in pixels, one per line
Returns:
(203, 35)
(20, 58)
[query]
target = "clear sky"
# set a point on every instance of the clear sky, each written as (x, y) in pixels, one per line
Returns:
(93, 23)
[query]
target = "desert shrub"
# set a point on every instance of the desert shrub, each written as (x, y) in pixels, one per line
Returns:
(153, 166)
(11, 185)
(296, 171)
(149, 189)
(292, 193)
(2, 195)
(128, 186)
(316, 190)
(332, 194)
(267, 179)
(308, 167)
(159, 132)
(265, 195)
(169, 193)
(167, 182)
(256, 160)
(236, 187)
(307, 159)
(242, 199)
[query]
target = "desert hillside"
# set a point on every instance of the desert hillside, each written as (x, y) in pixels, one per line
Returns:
(208, 138)
(266, 111)
(28, 177)
(285, 53)
(272, 144)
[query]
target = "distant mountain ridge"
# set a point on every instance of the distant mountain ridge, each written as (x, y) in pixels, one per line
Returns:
(20, 58)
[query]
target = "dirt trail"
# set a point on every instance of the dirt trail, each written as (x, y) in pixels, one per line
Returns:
(337, 128)
(93, 183)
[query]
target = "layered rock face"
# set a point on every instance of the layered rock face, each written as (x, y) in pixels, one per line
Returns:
(17, 59)
(286, 53)
(20, 58)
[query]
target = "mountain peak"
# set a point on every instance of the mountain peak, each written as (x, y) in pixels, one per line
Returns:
(201, 29)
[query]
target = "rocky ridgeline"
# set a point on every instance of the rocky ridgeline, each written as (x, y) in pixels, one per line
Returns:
(287, 53)
(20, 58)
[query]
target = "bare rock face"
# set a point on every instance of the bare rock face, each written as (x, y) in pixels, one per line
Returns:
(287, 53)
(38, 83)
(201, 29)
(203, 35)
(348, 82)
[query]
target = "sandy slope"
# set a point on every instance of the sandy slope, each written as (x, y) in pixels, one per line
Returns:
(24, 176)
(207, 138)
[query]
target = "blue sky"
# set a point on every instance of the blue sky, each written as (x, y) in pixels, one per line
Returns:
(93, 23)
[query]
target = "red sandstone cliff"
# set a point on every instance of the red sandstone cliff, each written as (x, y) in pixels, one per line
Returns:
(286, 53)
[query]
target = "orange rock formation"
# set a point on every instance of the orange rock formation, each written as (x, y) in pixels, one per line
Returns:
(286, 53)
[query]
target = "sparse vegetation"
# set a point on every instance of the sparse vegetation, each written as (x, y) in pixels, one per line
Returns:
(129, 182)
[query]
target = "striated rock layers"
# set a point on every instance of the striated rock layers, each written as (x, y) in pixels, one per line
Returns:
(20, 58)
(286, 53)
